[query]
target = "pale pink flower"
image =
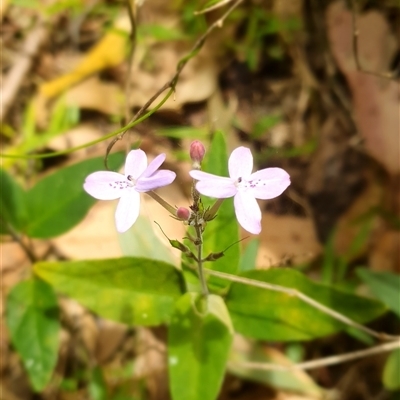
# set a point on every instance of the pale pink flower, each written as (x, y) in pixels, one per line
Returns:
(139, 177)
(244, 186)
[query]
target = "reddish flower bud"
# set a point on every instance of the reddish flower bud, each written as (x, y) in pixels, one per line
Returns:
(183, 213)
(197, 151)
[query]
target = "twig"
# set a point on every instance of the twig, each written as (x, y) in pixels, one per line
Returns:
(173, 81)
(139, 117)
(28, 251)
(21, 67)
(322, 362)
(295, 293)
(356, 33)
(213, 7)
(132, 19)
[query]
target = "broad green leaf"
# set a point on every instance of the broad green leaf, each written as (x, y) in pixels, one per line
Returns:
(199, 340)
(13, 212)
(384, 285)
(391, 372)
(223, 231)
(134, 291)
(249, 256)
(58, 202)
(268, 315)
(32, 320)
(142, 241)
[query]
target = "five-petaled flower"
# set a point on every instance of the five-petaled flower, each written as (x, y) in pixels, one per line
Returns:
(245, 186)
(139, 177)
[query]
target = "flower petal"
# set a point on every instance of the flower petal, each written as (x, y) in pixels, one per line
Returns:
(248, 212)
(201, 175)
(240, 163)
(135, 163)
(106, 185)
(219, 188)
(161, 178)
(153, 166)
(269, 183)
(127, 210)
(213, 185)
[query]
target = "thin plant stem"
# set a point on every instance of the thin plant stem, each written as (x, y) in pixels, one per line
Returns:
(28, 251)
(322, 362)
(295, 293)
(181, 64)
(162, 202)
(200, 269)
(140, 115)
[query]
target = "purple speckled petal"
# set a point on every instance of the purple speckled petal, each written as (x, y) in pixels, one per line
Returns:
(269, 183)
(106, 185)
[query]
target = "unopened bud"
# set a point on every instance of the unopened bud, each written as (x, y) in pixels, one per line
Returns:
(197, 151)
(183, 213)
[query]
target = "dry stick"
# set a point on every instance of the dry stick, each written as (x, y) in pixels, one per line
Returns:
(172, 82)
(22, 65)
(356, 33)
(295, 293)
(322, 362)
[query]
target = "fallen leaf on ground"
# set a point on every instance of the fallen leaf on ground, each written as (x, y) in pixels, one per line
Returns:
(93, 238)
(385, 254)
(287, 238)
(375, 99)
(110, 51)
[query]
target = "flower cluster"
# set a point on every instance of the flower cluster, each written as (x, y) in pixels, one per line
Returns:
(242, 184)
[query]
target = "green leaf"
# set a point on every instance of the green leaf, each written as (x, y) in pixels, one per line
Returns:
(223, 231)
(199, 340)
(97, 386)
(384, 285)
(58, 202)
(391, 375)
(161, 33)
(32, 320)
(13, 212)
(265, 124)
(134, 291)
(268, 315)
(184, 132)
(249, 256)
(142, 241)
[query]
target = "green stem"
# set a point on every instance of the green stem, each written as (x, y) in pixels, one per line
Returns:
(210, 214)
(162, 202)
(199, 245)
